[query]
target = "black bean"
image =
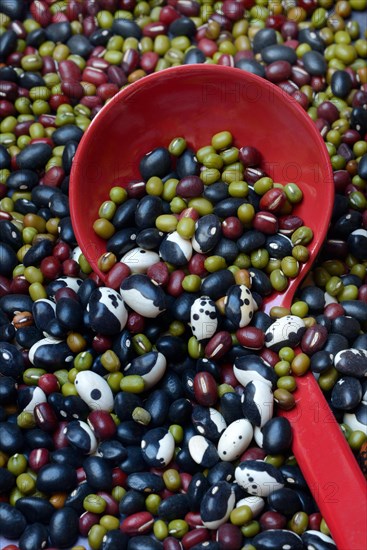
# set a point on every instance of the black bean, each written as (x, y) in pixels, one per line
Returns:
(12, 521)
(59, 205)
(251, 240)
(66, 133)
(157, 404)
(314, 297)
(341, 83)
(264, 38)
(362, 167)
(173, 507)
(38, 252)
(79, 45)
(8, 260)
(7, 480)
(222, 471)
(277, 435)
(187, 164)
(347, 393)
(66, 455)
(180, 411)
(346, 224)
(228, 207)
(347, 326)
(183, 26)
(277, 52)
(100, 37)
(194, 55)
(34, 536)
(336, 343)
(29, 80)
(130, 433)
(41, 194)
(75, 408)
(36, 37)
(8, 389)
(66, 232)
(132, 502)
(37, 438)
(216, 284)
(314, 63)
(98, 472)
(277, 538)
(13, 9)
(321, 361)
(115, 539)
(148, 209)
(126, 28)
(8, 44)
(144, 543)
(24, 206)
(358, 120)
(360, 342)
(11, 360)
(155, 163)
(278, 246)
(10, 235)
(355, 308)
(59, 32)
(70, 313)
(5, 159)
(227, 249)
(56, 477)
(8, 74)
(250, 66)
(230, 406)
(145, 482)
(216, 192)
(312, 38)
(64, 527)
(285, 501)
(293, 476)
(181, 307)
(207, 233)
(260, 282)
(35, 509)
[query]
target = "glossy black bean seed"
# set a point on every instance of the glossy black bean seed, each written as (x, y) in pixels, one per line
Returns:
(264, 38)
(174, 507)
(251, 66)
(35, 509)
(216, 284)
(144, 543)
(285, 501)
(187, 163)
(11, 438)
(34, 156)
(7, 480)
(145, 482)
(278, 52)
(66, 133)
(114, 539)
(314, 63)
(33, 537)
(64, 527)
(341, 83)
(126, 28)
(12, 521)
(80, 45)
(8, 43)
(132, 502)
(37, 252)
(76, 498)
(56, 477)
(8, 259)
(22, 180)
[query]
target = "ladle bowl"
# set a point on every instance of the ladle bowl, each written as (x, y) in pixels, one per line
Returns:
(197, 101)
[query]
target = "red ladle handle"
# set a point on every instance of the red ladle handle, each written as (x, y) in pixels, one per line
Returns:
(329, 466)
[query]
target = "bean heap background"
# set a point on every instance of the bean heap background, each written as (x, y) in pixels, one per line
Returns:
(60, 62)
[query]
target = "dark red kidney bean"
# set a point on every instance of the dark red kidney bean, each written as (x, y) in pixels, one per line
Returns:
(328, 111)
(54, 177)
(227, 375)
(289, 29)
(72, 89)
(226, 59)
(266, 223)
(47, 120)
(38, 458)
(19, 285)
(135, 189)
(190, 8)
(22, 128)
(94, 76)
(189, 213)
(318, 83)
(102, 424)
(59, 436)
(171, 543)
(116, 275)
(137, 524)
(107, 90)
(189, 187)
(69, 70)
(116, 75)
(86, 522)
(218, 345)
(251, 174)
(41, 12)
(362, 293)
(73, 10)
(350, 136)
(159, 273)
(288, 86)
(81, 475)
(98, 63)
(149, 61)
(249, 156)
(18, 28)
(185, 481)
(101, 343)
(48, 383)
(273, 200)
(57, 100)
(8, 90)
(336, 249)
(91, 101)
(229, 537)
(334, 310)
(275, 22)
(45, 417)
(253, 453)
(288, 224)
(196, 536)
(168, 14)
(314, 339)
(6, 108)
(251, 337)
(130, 60)
(112, 507)
(278, 71)
(269, 356)
(135, 323)
(300, 76)
(341, 180)
(89, 25)
(207, 46)
(153, 29)
(174, 287)
(193, 519)
(314, 521)
(301, 98)
(205, 389)
(232, 228)
(272, 520)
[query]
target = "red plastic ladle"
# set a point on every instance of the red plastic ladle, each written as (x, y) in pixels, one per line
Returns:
(196, 101)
